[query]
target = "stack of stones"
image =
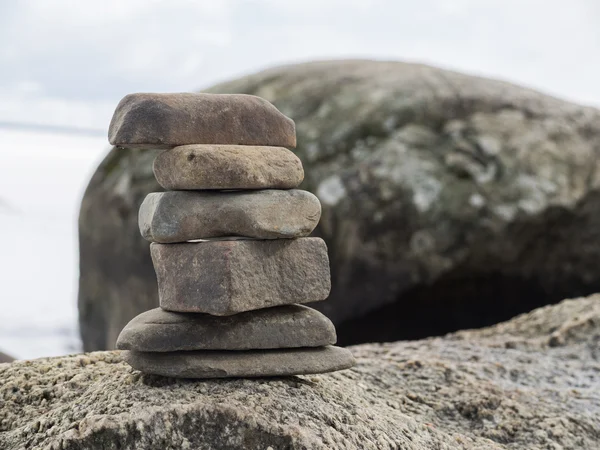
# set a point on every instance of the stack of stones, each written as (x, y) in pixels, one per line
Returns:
(229, 242)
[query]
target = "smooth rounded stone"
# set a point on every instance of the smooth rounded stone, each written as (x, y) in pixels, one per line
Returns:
(180, 216)
(194, 167)
(286, 326)
(229, 277)
(148, 120)
(259, 363)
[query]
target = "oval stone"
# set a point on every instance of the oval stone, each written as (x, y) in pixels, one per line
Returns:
(279, 327)
(177, 216)
(195, 167)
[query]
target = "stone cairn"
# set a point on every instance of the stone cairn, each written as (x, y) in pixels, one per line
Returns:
(228, 242)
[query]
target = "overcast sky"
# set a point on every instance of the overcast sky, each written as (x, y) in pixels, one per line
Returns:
(68, 62)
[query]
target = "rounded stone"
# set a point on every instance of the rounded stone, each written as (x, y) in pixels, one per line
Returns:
(449, 201)
(195, 167)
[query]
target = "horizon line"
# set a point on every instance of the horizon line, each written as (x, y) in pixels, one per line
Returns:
(52, 128)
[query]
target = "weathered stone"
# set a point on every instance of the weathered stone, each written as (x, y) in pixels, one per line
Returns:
(449, 201)
(179, 216)
(531, 383)
(278, 327)
(249, 363)
(193, 167)
(229, 277)
(168, 120)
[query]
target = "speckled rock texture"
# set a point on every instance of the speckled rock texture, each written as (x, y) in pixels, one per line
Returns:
(233, 276)
(278, 327)
(179, 216)
(195, 167)
(153, 121)
(531, 383)
(429, 180)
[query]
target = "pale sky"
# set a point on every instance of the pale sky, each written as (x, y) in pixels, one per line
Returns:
(68, 62)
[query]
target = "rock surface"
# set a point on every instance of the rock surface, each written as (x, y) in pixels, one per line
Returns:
(179, 216)
(449, 200)
(229, 277)
(249, 363)
(279, 327)
(531, 383)
(193, 167)
(154, 121)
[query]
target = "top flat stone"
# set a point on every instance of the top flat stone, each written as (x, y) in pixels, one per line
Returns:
(168, 120)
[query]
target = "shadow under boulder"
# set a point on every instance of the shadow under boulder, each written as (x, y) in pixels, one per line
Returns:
(449, 201)
(449, 305)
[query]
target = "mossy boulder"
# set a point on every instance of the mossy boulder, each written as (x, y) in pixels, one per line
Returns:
(449, 201)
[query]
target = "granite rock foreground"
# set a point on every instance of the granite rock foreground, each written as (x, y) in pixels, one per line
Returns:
(532, 382)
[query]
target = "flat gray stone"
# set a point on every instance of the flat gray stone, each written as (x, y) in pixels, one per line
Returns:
(194, 167)
(180, 216)
(229, 277)
(279, 327)
(168, 120)
(259, 363)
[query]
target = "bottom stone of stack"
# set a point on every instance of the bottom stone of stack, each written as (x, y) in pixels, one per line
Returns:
(249, 363)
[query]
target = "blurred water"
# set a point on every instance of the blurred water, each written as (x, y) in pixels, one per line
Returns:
(42, 179)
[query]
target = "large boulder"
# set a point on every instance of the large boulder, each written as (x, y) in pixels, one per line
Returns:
(531, 383)
(449, 201)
